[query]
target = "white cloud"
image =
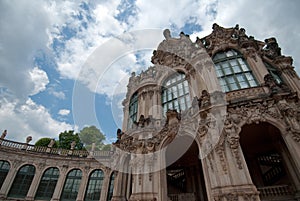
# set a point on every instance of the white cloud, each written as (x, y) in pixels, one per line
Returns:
(40, 80)
(64, 112)
(28, 118)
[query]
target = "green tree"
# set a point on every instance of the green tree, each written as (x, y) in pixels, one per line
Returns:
(92, 134)
(43, 142)
(106, 147)
(67, 137)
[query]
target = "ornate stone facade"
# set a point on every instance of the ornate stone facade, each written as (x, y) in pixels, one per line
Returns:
(206, 144)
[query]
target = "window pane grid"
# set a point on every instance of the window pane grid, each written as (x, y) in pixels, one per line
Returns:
(232, 71)
(177, 92)
(71, 186)
(47, 184)
(133, 109)
(94, 186)
(22, 182)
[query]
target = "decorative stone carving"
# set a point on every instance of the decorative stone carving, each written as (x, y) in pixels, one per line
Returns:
(272, 49)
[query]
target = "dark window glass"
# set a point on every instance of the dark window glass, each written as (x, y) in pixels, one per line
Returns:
(175, 93)
(47, 184)
(93, 190)
(71, 186)
(111, 187)
(274, 72)
(22, 182)
(233, 71)
(4, 168)
(133, 109)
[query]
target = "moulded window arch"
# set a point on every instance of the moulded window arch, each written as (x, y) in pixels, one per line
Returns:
(4, 168)
(175, 93)
(47, 184)
(93, 189)
(71, 186)
(22, 182)
(233, 71)
(133, 109)
(111, 187)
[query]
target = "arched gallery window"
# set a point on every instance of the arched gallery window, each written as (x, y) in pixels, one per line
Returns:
(47, 184)
(175, 93)
(111, 187)
(93, 190)
(4, 168)
(22, 182)
(133, 109)
(71, 186)
(233, 71)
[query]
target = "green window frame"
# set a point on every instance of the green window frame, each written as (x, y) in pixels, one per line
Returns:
(71, 186)
(47, 184)
(233, 71)
(93, 189)
(4, 168)
(111, 187)
(22, 182)
(133, 109)
(175, 93)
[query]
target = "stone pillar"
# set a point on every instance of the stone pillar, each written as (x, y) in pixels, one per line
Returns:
(105, 185)
(34, 184)
(119, 187)
(9, 180)
(60, 184)
(83, 186)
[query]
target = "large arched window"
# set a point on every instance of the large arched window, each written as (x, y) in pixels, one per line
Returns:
(233, 71)
(4, 168)
(71, 186)
(175, 93)
(22, 182)
(47, 184)
(111, 187)
(93, 190)
(133, 109)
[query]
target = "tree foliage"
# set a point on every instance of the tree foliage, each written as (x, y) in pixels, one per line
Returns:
(90, 135)
(67, 137)
(43, 142)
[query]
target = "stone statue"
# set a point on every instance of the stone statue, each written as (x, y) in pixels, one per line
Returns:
(167, 34)
(4, 134)
(73, 144)
(28, 139)
(51, 143)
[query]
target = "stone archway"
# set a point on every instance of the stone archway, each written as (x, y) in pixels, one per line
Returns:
(184, 174)
(269, 162)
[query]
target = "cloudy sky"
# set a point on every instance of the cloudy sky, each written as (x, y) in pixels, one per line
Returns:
(65, 64)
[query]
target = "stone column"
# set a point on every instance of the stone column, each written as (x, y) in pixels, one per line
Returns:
(105, 185)
(60, 184)
(83, 186)
(9, 180)
(34, 184)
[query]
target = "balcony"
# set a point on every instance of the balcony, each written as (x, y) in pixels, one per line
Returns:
(279, 192)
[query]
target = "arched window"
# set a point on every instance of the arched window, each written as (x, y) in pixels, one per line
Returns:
(233, 71)
(274, 72)
(133, 109)
(71, 186)
(111, 187)
(4, 168)
(93, 190)
(22, 182)
(175, 93)
(47, 184)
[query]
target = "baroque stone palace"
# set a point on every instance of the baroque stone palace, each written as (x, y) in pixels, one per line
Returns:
(217, 119)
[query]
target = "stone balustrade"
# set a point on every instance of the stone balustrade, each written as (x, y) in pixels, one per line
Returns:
(275, 191)
(55, 151)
